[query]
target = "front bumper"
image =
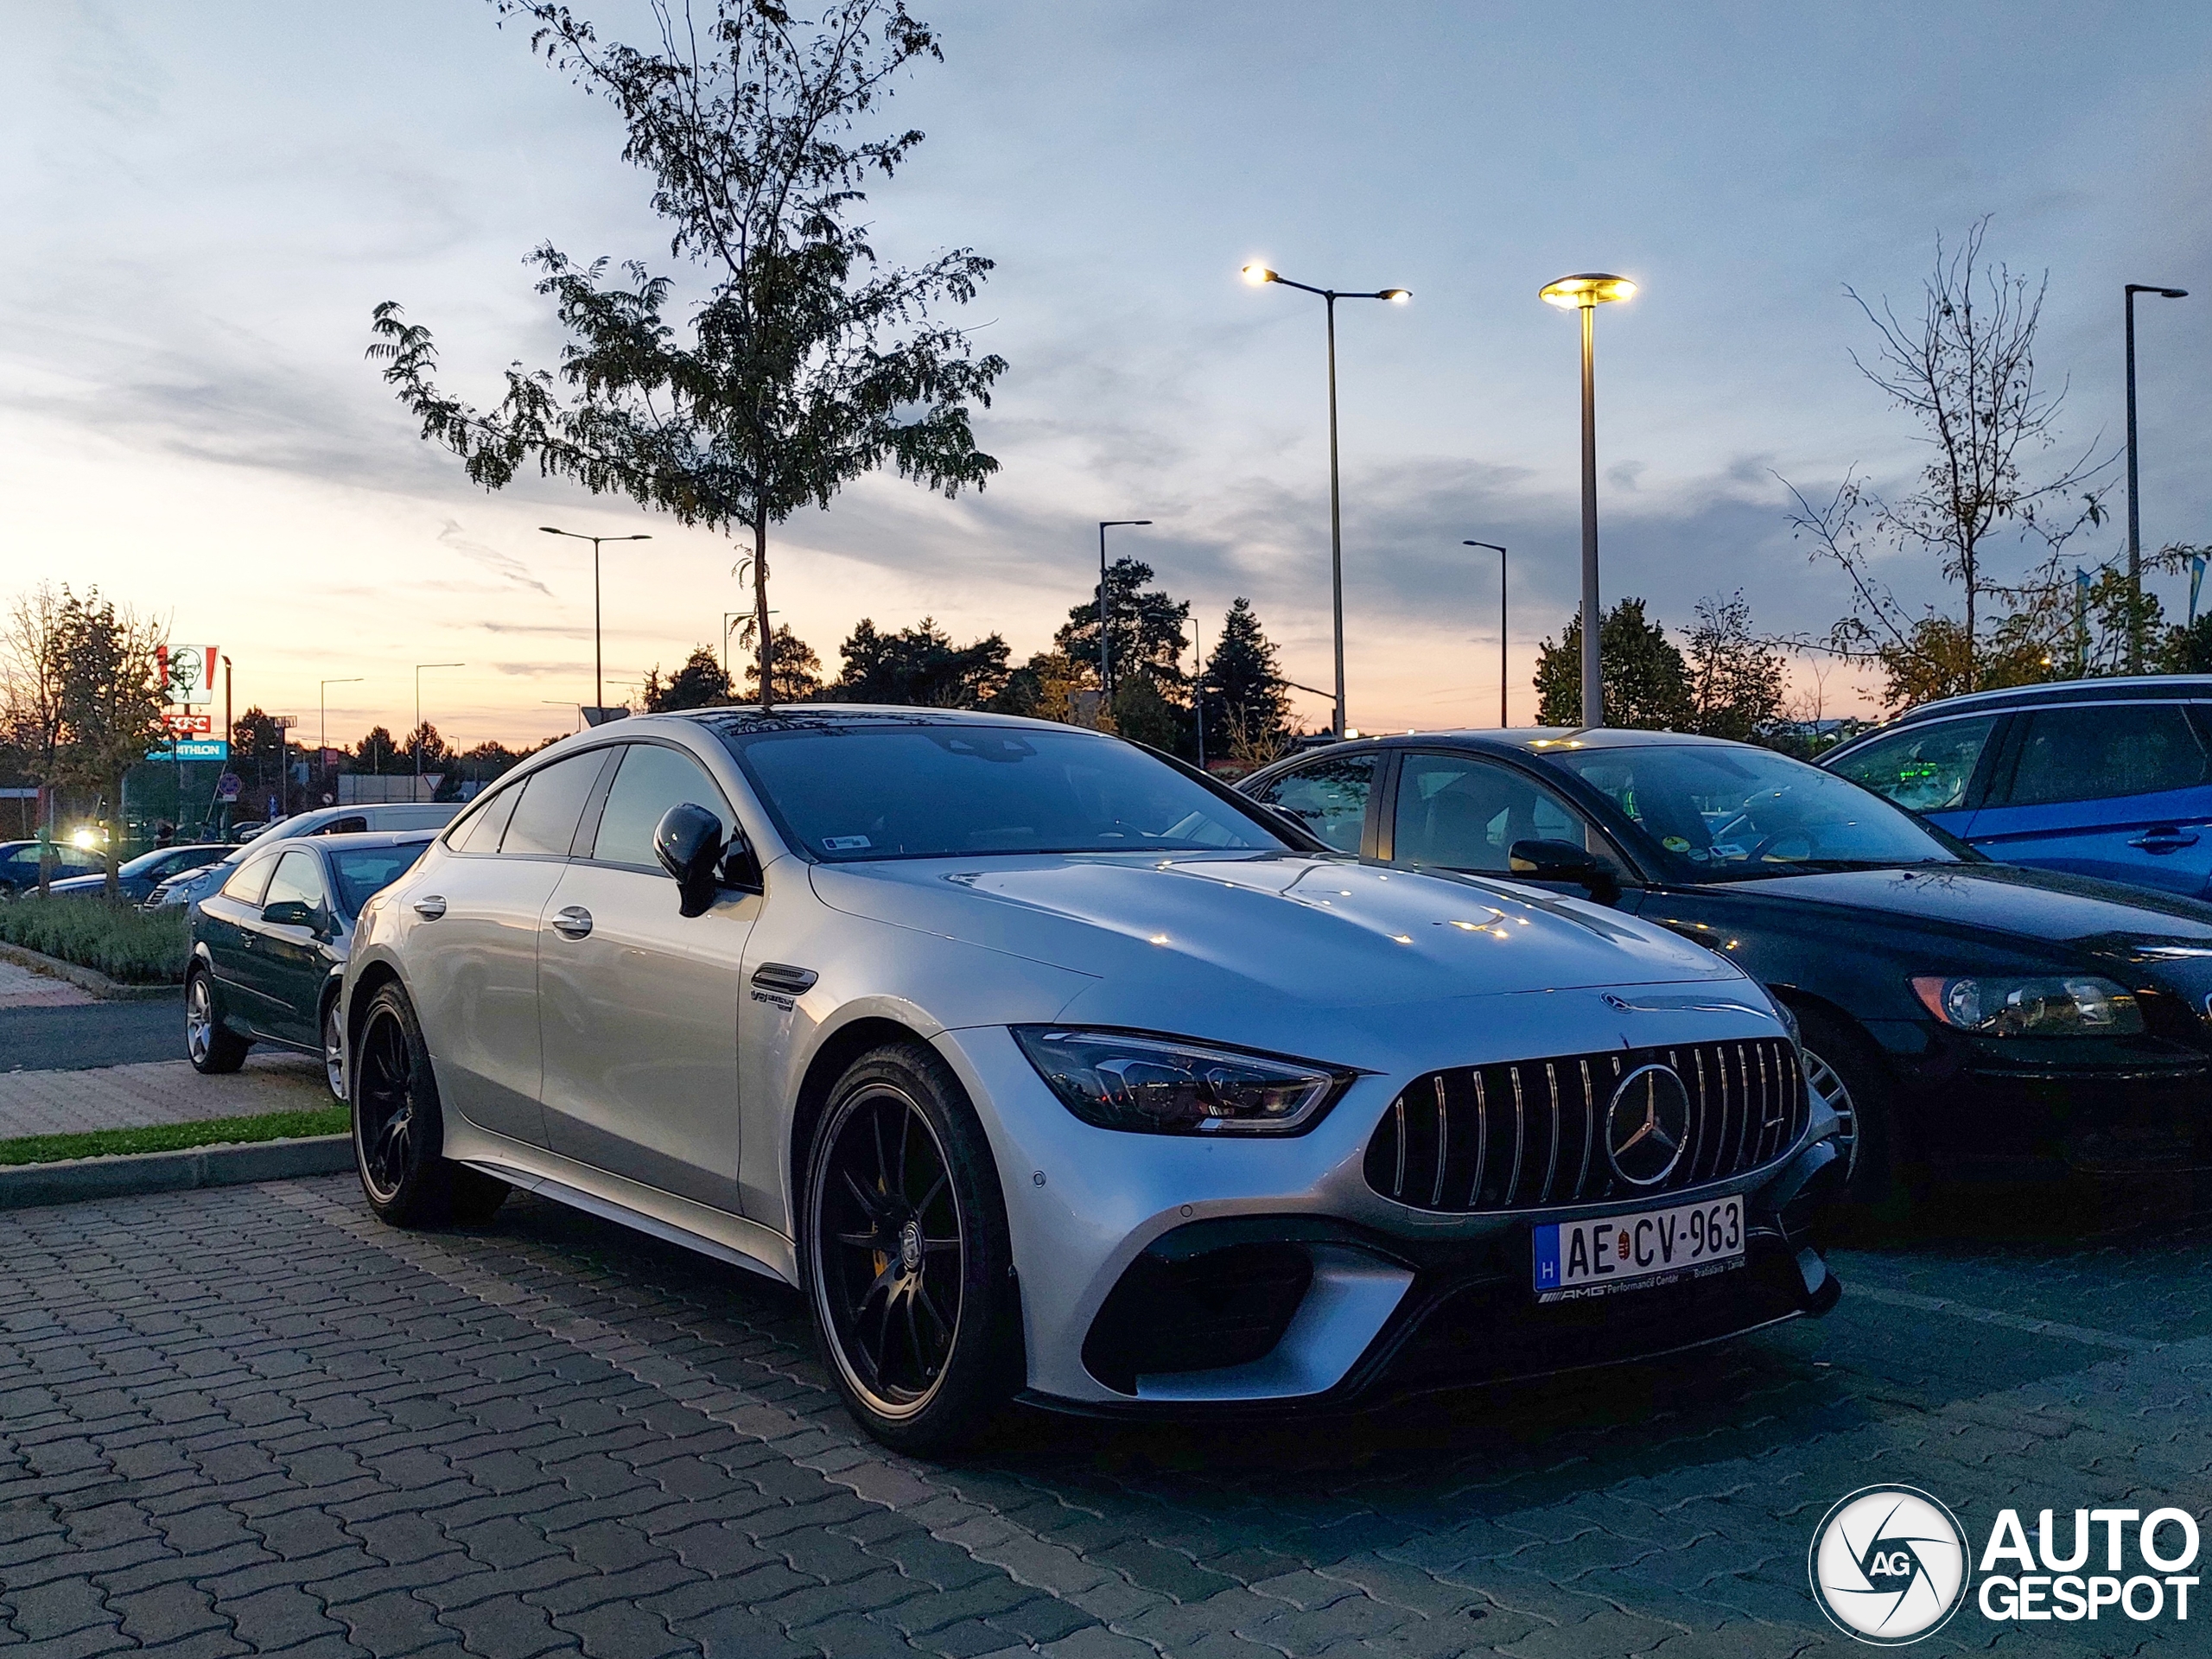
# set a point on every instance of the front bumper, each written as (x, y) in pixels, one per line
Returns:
(1204, 1274)
(2024, 1111)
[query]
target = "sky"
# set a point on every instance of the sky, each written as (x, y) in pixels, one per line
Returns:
(203, 205)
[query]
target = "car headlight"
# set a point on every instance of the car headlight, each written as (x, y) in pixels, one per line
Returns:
(2059, 1006)
(1159, 1086)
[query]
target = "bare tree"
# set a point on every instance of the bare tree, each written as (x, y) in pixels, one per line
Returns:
(1965, 370)
(32, 655)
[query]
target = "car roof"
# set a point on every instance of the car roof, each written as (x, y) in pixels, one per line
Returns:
(2144, 688)
(745, 719)
(369, 838)
(1531, 739)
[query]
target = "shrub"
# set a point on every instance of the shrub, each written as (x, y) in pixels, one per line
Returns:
(137, 947)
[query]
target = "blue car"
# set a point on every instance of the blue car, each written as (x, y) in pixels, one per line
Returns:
(2104, 777)
(139, 876)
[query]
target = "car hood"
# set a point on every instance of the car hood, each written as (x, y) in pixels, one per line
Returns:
(1317, 932)
(79, 884)
(2003, 904)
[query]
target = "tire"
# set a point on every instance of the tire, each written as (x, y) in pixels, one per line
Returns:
(1842, 1069)
(214, 1049)
(905, 1254)
(399, 1130)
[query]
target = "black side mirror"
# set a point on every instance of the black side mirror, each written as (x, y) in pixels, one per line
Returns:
(289, 913)
(689, 843)
(1563, 860)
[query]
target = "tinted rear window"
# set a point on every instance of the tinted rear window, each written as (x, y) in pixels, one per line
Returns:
(362, 871)
(552, 802)
(2101, 751)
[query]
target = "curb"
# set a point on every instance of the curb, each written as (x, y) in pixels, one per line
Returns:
(23, 1185)
(86, 979)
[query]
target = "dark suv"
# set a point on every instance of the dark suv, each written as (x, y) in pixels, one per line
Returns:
(2103, 778)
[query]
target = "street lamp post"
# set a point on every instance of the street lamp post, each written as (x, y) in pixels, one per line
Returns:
(1259, 275)
(1503, 669)
(419, 667)
(2134, 518)
(598, 667)
(1105, 629)
(322, 717)
(1584, 293)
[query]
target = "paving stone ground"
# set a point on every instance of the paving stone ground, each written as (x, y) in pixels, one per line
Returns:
(21, 988)
(163, 1092)
(255, 1421)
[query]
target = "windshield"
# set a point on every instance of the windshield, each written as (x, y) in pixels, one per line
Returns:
(362, 871)
(932, 791)
(1738, 812)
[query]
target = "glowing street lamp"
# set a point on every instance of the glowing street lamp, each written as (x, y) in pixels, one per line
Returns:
(1259, 275)
(1585, 293)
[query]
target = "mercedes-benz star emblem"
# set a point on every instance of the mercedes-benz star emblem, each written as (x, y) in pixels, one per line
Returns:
(1647, 1126)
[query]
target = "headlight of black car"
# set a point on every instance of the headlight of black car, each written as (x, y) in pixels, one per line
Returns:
(2008, 1006)
(1161, 1086)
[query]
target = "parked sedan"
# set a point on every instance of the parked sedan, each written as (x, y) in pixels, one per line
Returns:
(2103, 778)
(139, 876)
(1965, 1017)
(19, 865)
(380, 817)
(1040, 1064)
(268, 947)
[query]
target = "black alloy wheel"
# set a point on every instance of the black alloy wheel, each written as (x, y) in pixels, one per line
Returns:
(212, 1046)
(399, 1129)
(908, 1254)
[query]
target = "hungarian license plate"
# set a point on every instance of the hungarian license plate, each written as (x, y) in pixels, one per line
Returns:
(1635, 1251)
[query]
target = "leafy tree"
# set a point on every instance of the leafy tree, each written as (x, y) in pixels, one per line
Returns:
(32, 676)
(112, 699)
(920, 666)
(2187, 648)
(1735, 680)
(1964, 371)
(1645, 682)
(798, 671)
(426, 751)
(379, 753)
(1245, 707)
(1143, 715)
(700, 683)
(1144, 629)
(807, 364)
(1044, 688)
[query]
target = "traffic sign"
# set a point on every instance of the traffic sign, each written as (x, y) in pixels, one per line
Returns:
(228, 786)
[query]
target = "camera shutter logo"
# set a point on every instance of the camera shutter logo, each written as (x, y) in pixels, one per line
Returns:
(1889, 1565)
(1647, 1126)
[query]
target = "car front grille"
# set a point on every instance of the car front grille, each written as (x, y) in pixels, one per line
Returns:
(1531, 1135)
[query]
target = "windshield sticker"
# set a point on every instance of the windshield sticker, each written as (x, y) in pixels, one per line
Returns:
(1675, 845)
(844, 843)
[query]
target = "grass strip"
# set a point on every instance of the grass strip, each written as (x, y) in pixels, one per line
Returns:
(173, 1137)
(135, 947)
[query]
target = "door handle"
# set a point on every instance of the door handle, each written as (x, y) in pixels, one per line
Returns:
(573, 923)
(2165, 839)
(431, 908)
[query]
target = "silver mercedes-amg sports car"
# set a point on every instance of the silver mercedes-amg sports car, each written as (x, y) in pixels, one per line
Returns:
(1044, 1065)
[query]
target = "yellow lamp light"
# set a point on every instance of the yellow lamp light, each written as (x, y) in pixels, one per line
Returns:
(1589, 288)
(1257, 274)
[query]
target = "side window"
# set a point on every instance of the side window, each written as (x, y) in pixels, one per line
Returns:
(553, 799)
(652, 780)
(1457, 812)
(251, 878)
(299, 875)
(1923, 769)
(2099, 751)
(1329, 797)
(481, 833)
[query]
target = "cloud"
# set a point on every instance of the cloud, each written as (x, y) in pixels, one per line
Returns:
(504, 565)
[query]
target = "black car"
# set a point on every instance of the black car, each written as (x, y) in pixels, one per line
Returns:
(1968, 1019)
(268, 946)
(139, 876)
